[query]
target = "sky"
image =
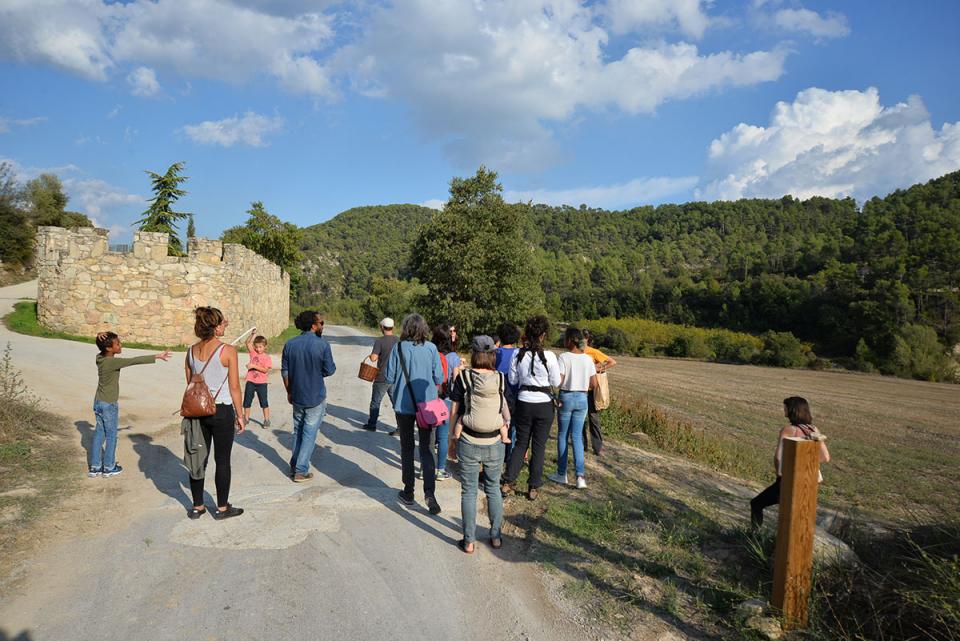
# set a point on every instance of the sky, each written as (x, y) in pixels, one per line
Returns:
(314, 107)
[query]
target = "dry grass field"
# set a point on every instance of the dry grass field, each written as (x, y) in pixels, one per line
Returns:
(895, 443)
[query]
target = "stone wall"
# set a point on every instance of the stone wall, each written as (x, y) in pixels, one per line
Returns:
(147, 296)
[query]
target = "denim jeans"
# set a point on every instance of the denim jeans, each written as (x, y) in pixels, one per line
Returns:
(471, 458)
(306, 424)
(108, 422)
(442, 434)
(407, 423)
(570, 417)
(376, 398)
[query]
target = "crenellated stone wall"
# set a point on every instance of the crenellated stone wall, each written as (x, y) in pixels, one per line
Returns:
(147, 296)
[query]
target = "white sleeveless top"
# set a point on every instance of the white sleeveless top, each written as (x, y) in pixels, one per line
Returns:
(215, 375)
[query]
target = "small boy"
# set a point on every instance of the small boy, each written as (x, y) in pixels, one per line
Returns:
(258, 367)
(105, 404)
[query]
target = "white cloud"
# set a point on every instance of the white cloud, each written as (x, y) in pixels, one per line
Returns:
(97, 196)
(143, 82)
(66, 33)
(626, 16)
(215, 39)
(6, 124)
(434, 203)
(248, 129)
(638, 191)
(832, 25)
(113, 113)
(491, 80)
(831, 143)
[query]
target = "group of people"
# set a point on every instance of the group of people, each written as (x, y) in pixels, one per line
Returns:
(501, 408)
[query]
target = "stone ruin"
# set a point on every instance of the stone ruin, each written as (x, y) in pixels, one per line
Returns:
(146, 296)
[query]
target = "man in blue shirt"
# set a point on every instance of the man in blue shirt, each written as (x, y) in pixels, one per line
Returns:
(307, 360)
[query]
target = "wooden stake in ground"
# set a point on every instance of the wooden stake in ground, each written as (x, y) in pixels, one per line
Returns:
(793, 565)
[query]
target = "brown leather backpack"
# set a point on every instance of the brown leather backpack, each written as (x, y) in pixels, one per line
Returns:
(197, 400)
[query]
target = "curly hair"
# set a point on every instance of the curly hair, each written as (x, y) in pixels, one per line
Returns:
(305, 319)
(206, 321)
(105, 340)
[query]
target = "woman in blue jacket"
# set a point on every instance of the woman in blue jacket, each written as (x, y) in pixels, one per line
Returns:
(416, 355)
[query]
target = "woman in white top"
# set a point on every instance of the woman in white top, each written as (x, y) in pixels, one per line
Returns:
(223, 380)
(578, 376)
(535, 371)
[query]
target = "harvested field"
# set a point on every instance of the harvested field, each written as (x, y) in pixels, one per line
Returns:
(895, 442)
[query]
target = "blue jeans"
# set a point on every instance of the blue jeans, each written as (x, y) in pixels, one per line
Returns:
(570, 417)
(306, 424)
(442, 433)
(471, 458)
(379, 389)
(108, 423)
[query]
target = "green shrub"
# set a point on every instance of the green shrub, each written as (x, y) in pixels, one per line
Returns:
(615, 340)
(783, 349)
(927, 358)
(689, 345)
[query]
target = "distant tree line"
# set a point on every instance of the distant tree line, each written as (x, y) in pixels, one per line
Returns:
(876, 287)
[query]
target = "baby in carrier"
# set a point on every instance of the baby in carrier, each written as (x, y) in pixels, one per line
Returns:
(483, 412)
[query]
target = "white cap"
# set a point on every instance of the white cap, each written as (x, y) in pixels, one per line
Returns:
(387, 323)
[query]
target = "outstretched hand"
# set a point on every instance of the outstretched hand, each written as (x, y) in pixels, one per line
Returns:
(163, 355)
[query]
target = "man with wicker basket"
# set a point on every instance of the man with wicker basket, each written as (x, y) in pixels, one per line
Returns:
(378, 357)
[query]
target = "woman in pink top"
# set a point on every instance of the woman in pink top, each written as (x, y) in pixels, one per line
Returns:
(258, 367)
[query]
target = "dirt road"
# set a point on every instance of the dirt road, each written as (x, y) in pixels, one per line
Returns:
(334, 559)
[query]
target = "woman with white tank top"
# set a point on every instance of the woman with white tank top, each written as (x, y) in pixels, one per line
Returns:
(223, 380)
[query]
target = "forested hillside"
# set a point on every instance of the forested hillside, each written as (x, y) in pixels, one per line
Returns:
(877, 284)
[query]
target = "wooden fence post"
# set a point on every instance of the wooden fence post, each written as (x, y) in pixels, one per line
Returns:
(793, 564)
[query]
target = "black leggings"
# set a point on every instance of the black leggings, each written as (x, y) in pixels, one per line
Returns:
(218, 428)
(770, 496)
(533, 421)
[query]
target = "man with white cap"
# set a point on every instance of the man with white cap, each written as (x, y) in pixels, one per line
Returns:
(381, 353)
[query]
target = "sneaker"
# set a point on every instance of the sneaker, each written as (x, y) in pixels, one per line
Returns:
(432, 505)
(94, 472)
(581, 483)
(369, 428)
(556, 478)
(231, 511)
(265, 424)
(300, 478)
(403, 497)
(108, 473)
(442, 475)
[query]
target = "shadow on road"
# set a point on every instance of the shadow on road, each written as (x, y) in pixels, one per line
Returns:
(348, 474)
(250, 439)
(86, 430)
(23, 636)
(164, 468)
(363, 341)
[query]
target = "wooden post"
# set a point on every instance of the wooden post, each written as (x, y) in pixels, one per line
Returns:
(793, 565)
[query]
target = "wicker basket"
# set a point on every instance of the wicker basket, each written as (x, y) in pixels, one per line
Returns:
(368, 371)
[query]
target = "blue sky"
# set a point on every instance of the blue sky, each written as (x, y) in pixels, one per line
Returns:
(314, 107)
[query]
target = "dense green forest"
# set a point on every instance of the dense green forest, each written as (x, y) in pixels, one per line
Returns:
(877, 286)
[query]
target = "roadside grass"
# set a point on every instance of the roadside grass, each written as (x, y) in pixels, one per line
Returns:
(36, 459)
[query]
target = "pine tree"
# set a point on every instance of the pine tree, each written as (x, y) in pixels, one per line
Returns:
(160, 216)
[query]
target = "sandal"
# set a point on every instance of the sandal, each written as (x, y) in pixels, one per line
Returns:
(462, 544)
(496, 543)
(194, 513)
(227, 513)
